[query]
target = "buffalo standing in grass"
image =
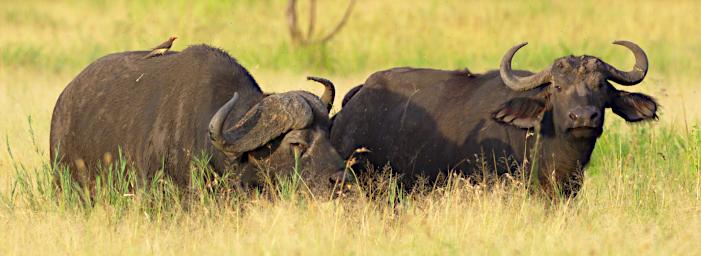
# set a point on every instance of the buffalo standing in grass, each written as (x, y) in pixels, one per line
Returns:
(162, 112)
(423, 121)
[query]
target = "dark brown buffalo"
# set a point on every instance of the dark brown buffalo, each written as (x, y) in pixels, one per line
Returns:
(162, 112)
(423, 121)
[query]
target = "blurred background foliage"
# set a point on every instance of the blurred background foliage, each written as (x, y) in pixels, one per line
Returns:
(64, 36)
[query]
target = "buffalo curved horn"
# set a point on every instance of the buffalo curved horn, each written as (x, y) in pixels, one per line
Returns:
(217, 121)
(329, 91)
(517, 83)
(634, 76)
(266, 120)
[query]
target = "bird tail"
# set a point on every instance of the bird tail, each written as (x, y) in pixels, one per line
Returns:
(149, 55)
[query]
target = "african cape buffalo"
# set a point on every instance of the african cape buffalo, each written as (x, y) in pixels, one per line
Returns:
(163, 111)
(424, 121)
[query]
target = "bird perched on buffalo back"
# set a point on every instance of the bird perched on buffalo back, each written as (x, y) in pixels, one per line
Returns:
(161, 48)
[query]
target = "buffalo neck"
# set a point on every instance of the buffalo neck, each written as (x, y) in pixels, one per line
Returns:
(562, 154)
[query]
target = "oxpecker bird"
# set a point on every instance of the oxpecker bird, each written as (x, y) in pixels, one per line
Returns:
(161, 48)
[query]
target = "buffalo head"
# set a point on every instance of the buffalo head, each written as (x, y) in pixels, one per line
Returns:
(281, 132)
(575, 94)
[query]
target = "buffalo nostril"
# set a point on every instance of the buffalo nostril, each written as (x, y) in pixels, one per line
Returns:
(594, 115)
(340, 177)
(573, 116)
(334, 179)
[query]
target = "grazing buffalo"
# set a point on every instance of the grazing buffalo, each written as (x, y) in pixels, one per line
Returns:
(424, 121)
(164, 111)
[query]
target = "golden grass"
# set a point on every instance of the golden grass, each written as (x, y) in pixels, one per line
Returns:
(641, 195)
(461, 220)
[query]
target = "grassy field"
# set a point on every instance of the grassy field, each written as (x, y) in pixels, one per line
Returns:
(642, 193)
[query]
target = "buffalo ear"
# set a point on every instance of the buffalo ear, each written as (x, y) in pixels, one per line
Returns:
(634, 107)
(521, 112)
(270, 118)
(350, 95)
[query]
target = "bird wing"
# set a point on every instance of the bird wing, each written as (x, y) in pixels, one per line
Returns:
(164, 45)
(155, 53)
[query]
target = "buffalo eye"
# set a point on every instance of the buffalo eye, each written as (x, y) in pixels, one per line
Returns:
(558, 88)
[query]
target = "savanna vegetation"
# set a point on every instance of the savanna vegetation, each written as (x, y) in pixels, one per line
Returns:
(642, 193)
